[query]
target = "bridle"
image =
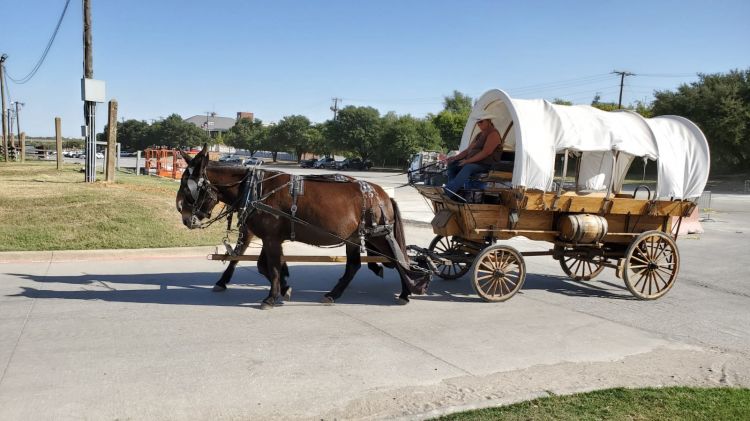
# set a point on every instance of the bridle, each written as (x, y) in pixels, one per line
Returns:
(199, 192)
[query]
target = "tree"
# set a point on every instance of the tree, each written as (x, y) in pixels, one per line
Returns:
(293, 132)
(402, 136)
(451, 127)
(174, 132)
(132, 135)
(458, 103)
(356, 129)
(247, 134)
(604, 106)
(560, 101)
(720, 105)
(319, 143)
(451, 121)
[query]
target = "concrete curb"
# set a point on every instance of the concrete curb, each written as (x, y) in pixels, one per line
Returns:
(114, 254)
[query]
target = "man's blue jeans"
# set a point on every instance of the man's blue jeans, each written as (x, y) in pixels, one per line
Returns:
(458, 175)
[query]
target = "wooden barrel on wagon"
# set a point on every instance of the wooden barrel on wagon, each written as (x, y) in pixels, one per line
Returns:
(582, 228)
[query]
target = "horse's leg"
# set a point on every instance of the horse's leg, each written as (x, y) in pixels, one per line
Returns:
(353, 263)
(273, 271)
(403, 298)
(243, 241)
(286, 290)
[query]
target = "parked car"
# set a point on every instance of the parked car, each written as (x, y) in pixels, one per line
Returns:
(99, 155)
(331, 165)
(231, 159)
(307, 163)
(252, 162)
(321, 163)
(354, 164)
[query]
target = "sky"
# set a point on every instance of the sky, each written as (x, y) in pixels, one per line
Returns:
(285, 57)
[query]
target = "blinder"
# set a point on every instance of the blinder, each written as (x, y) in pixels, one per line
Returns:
(200, 193)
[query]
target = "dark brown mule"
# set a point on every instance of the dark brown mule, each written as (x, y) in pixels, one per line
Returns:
(326, 213)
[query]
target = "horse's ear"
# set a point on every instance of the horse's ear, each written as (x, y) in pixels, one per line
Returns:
(205, 148)
(185, 156)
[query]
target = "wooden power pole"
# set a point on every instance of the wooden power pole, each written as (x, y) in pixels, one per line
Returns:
(109, 165)
(622, 82)
(2, 93)
(89, 107)
(58, 143)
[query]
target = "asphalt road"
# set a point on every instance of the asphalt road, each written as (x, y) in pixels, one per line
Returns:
(139, 334)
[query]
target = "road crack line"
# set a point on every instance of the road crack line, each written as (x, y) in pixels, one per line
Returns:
(364, 322)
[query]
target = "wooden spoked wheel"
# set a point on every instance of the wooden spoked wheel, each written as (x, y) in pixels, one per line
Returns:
(449, 248)
(651, 265)
(499, 272)
(579, 269)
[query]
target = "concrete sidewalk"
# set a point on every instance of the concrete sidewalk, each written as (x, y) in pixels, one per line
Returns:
(138, 334)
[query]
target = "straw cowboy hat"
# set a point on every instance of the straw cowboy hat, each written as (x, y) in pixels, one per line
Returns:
(485, 115)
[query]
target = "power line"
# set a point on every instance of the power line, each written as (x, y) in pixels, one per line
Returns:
(39, 63)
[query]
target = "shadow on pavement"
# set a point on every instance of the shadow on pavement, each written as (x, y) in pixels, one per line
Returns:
(461, 289)
(309, 283)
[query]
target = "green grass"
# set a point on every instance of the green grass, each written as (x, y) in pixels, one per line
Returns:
(673, 403)
(45, 209)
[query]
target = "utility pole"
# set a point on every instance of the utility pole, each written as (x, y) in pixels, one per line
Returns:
(2, 93)
(89, 107)
(335, 107)
(18, 124)
(11, 143)
(622, 82)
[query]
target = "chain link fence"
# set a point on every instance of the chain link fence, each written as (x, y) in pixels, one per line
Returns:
(704, 206)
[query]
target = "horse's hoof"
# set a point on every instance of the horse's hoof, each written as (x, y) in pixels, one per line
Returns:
(288, 294)
(219, 288)
(266, 306)
(327, 300)
(402, 301)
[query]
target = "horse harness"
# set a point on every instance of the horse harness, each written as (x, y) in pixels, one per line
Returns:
(252, 197)
(297, 188)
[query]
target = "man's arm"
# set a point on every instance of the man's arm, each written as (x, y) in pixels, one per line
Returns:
(457, 156)
(493, 142)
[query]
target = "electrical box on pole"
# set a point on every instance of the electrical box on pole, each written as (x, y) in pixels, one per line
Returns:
(92, 90)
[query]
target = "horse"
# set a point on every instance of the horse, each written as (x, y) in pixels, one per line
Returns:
(318, 210)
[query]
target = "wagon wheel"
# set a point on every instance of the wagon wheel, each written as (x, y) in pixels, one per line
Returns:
(582, 269)
(499, 272)
(651, 265)
(448, 247)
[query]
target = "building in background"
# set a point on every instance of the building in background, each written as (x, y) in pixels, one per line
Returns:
(214, 124)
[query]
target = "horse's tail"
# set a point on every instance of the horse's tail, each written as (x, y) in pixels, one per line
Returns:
(398, 228)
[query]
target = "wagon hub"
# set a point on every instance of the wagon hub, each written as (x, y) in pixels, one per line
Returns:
(497, 273)
(652, 266)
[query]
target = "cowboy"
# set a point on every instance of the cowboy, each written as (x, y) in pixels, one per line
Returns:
(481, 154)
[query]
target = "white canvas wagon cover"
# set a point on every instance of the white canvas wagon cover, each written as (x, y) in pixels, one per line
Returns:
(541, 130)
